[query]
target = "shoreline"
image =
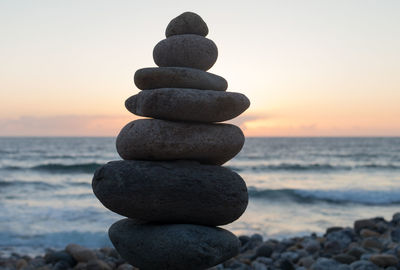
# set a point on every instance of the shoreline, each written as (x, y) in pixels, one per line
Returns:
(369, 244)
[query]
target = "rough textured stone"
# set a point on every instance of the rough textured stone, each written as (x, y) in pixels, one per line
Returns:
(357, 252)
(254, 241)
(187, 23)
(191, 51)
(97, 265)
(396, 218)
(54, 257)
(384, 260)
(153, 139)
(80, 254)
(61, 265)
(343, 237)
(258, 266)
(306, 261)
(37, 263)
(178, 77)
(171, 192)
(364, 224)
(125, 266)
(344, 258)
(395, 235)
(182, 104)
(333, 229)
(244, 239)
(333, 247)
(80, 266)
(328, 264)
(264, 250)
(286, 265)
(372, 242)
(368, 233)
(292, 256)
(363, 265)
(175, 246)
(19, 264)
(311, 245)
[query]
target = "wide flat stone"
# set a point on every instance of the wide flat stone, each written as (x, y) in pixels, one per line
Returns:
(172, 247)
(178, 77)
(187, 23)
(191, 51)
(171, 191)
(153, 139)
(183, 104)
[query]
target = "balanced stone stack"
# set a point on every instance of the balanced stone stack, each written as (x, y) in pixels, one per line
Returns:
(170, 184)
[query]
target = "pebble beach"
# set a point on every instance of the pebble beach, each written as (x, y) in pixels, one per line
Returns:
(368, 244)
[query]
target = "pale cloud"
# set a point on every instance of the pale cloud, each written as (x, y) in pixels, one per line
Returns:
(246, 118)
(273, 124)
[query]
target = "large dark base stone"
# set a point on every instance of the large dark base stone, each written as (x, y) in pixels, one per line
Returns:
(171, 192)
(172, 247)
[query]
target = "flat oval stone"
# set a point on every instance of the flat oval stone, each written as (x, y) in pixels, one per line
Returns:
(178, 77)
(153, 139)
(173, 246)
(171, 191)
(187, 23)
(182, 104)
(191, 51)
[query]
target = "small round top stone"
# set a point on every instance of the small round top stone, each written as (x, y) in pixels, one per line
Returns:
(187, 23)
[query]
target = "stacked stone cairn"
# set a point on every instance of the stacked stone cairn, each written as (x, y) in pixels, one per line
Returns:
(170, 184)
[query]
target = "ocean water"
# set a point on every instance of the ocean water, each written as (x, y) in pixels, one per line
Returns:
(296, 185)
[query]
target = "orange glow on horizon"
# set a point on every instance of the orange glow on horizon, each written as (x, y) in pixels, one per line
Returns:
(313, 68)
(252, 124)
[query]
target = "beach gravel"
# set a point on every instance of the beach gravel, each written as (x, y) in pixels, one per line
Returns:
(80, 253)
(298, 253)
(384, 260)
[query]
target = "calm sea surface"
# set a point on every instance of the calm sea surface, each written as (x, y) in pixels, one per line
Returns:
(296, 186)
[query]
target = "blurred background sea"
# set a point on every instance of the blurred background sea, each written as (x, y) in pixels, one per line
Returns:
(296, 186)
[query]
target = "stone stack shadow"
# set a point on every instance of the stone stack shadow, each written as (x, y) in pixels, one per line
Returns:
(170, 184)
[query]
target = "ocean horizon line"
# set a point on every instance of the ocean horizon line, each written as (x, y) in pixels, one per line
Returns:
(283, 136)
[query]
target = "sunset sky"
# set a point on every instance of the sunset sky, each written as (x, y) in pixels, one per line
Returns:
(309, 68)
